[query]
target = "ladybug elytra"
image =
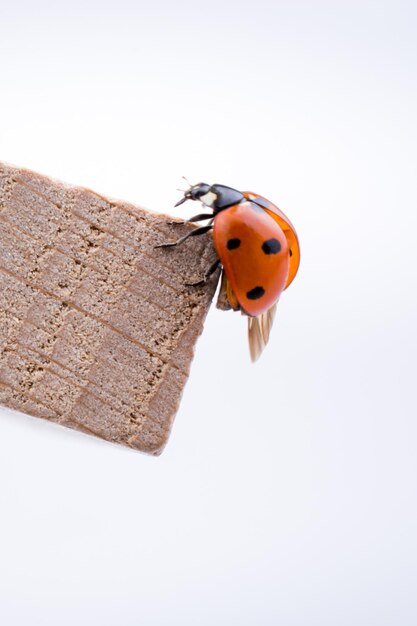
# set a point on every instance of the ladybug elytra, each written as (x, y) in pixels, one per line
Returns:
(257, 248)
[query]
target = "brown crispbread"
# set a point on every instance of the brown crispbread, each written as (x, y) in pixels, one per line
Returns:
(97, 329)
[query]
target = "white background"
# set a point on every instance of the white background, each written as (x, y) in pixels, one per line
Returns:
(287, 493)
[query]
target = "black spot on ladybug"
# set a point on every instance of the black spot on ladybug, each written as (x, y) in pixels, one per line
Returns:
(290, 252)
(255, 293)
(232, 244)
(271, 246)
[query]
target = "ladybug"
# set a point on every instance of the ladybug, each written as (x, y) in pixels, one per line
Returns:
(257, 247)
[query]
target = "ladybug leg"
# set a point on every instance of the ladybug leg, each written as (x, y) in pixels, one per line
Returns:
(192, 233)
(207, 275)
(196, 218)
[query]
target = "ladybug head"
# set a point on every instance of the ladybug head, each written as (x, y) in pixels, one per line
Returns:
(216, 197)
(195, 192)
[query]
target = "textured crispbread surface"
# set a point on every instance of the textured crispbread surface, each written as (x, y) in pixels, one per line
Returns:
(97, 329)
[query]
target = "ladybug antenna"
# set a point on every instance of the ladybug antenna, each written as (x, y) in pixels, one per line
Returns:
(186, 192)
(187, 181)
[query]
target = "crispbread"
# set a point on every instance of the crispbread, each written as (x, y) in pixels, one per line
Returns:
(97, 329)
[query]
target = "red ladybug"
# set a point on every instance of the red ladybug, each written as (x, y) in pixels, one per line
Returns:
(257, 247)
